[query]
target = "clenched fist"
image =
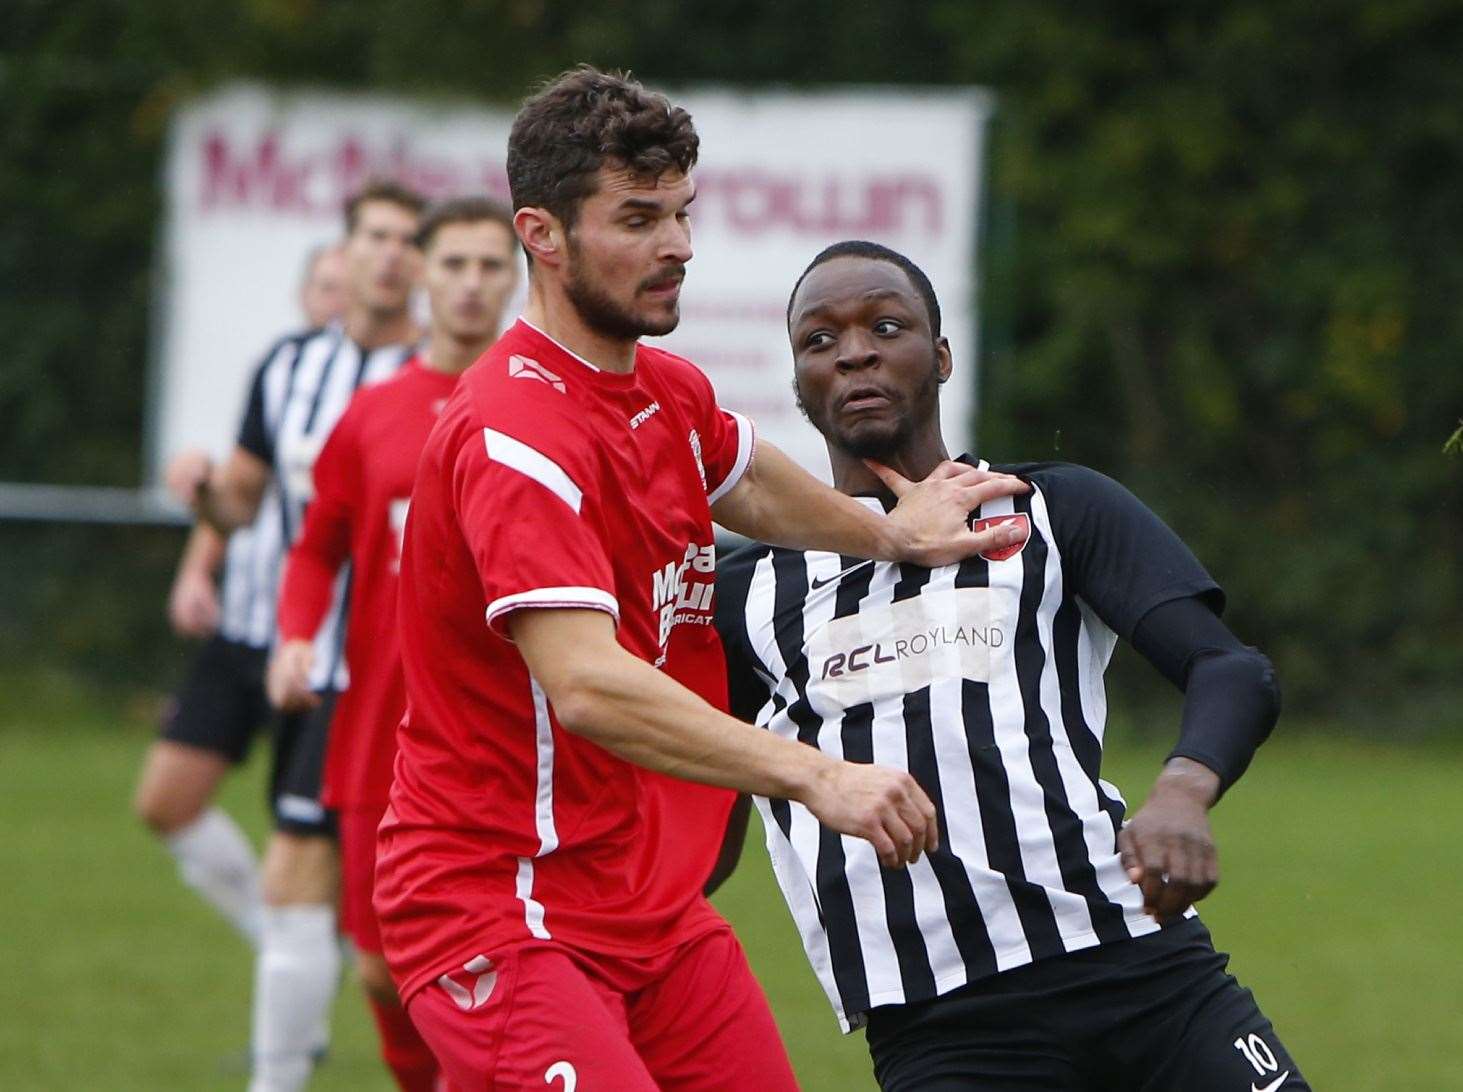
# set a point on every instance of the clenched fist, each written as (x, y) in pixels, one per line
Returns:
(193, 607)
(288, 681)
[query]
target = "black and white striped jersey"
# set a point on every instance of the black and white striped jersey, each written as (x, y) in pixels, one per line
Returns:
(250, 569)
(983, 679)
(299, 391)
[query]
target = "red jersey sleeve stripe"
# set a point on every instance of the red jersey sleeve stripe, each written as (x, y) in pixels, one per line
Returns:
(593, 598)
(746, 444)
(518, 456)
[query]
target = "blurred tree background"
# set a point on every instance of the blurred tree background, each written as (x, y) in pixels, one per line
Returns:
(1220, 265)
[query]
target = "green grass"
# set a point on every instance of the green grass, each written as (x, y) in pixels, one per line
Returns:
(1340, 898)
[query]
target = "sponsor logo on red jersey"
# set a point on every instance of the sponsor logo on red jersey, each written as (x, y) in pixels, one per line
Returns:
(676, 596)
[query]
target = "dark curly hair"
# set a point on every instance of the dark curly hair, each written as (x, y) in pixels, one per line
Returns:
(582, 120)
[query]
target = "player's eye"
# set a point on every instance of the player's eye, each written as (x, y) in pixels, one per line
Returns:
(818, 339)
(888, 326)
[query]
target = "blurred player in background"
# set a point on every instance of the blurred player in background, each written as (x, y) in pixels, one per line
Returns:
(297, 397)
(1045, 943)
(363, 482)
(211, 723)
(539, 876)
(323, 289)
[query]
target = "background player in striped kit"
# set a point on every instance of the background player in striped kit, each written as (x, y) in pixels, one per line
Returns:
(297, 397)
(210, 724)
(363, 482)
(1043, 944)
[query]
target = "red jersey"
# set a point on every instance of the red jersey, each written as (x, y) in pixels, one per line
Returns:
(550, 483)
(363, 481)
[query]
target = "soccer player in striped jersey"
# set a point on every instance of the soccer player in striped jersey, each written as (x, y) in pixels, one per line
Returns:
(363, 482)
(298, 394)
(211, 723)
(1043, 943)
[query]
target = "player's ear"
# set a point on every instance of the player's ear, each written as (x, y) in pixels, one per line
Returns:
(541, 234)
(944, 364)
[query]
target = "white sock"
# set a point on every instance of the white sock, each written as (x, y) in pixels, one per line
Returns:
(216, 860)
(295, 978)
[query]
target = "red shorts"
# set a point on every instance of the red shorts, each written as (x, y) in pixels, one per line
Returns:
(542, 1017)
(357, 831)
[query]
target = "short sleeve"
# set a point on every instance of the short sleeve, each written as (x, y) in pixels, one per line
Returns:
(527, 519)
(254, 433)
(1117, 554)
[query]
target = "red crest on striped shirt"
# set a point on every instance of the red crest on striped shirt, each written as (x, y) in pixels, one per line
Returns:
(1021, 519)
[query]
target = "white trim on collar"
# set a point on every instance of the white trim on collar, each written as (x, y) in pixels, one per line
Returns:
(560, 345)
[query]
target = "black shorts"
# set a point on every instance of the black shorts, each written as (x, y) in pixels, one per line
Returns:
(1154, 1014)
(221, 703)
(299, 766)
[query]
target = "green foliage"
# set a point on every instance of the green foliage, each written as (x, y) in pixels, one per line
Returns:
(1220, 258)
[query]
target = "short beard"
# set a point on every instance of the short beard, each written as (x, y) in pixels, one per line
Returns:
(602, 314)
(881, 444)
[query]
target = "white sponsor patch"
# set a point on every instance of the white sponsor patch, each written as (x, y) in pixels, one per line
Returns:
(902, 647)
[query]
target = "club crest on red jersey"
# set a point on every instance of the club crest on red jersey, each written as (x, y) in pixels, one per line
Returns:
(696, 451)
(522, 367)
(1005, 552)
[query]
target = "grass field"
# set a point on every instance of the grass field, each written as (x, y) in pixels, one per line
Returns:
(1340, 901)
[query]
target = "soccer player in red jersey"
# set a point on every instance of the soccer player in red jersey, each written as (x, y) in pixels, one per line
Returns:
(363, 481)
(564, 768)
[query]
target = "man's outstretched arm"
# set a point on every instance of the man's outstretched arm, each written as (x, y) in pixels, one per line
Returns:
(600, 691)
(778, 502)
(1231, 702)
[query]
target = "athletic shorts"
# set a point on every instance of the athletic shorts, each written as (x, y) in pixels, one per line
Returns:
(299, 765)
(539, 1016)
(357, 827)
(221, 703)
(1154, 1014)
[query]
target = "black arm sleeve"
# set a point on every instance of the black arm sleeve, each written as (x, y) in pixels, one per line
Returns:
(1116, 553)
(1231, 695)
(1140, 578)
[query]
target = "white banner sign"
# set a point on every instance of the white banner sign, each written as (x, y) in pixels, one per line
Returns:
(256, 178)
